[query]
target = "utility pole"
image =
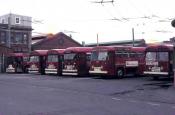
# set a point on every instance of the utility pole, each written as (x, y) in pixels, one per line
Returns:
(9, 31)
(97, 40)
(133, 39)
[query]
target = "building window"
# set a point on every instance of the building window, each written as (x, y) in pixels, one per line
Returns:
(2, 37)
(18, 38)
(12, 38)
(17, 20)
(25, 38)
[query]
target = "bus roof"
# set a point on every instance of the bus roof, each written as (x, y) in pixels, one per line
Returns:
(160, 47)
(18, 54)
(103, 48)
(138, 49)
(56, 51)
(112, 48)
(39, 53)
(78, 49)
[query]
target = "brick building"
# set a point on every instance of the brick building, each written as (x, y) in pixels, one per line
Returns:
(15, 32)
(57, 41)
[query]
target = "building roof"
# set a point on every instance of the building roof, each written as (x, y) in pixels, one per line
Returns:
(137, 42)
(56, 36)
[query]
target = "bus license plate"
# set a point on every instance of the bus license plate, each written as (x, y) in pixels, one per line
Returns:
(155, 69)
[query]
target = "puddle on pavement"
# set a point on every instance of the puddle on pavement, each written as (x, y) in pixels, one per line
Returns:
(124, 92)
(160, 85)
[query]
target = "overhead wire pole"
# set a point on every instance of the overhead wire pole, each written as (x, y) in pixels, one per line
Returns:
(97, 40)
(133, 37)
(9, 31)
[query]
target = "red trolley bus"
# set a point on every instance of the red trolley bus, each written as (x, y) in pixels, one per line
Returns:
(37, 61)
(17, 63)
(159, 60)
(117, 60)
(76, 61)
(54, 61)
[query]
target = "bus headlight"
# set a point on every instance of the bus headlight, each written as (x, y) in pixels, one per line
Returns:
(92, 67)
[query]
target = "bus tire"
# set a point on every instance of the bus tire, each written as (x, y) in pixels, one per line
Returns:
(120, 73)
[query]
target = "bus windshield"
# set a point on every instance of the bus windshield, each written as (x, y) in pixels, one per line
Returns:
(34, 59)
(163, 56)
(70, 56)
(99, 56)
(52, 58)
(159, 56)
(151, 56)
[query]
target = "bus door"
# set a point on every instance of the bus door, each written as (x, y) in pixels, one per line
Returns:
(60, 64)
(111, 62)
(81, 63)
(42, 64)
(18, 64)
(163, 62)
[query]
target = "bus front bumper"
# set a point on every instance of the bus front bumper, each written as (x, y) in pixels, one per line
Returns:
(70, 72)
(155, 73)
(98, 72)
(10, 70)
(36, 70)
(51, 71)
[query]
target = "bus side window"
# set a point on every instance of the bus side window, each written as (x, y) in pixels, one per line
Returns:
(132, 55)
(124, 55)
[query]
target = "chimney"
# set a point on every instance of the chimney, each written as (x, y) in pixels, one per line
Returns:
(83, 43)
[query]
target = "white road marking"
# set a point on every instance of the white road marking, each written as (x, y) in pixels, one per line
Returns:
(117, 99)
(153, 104)
(133, 101)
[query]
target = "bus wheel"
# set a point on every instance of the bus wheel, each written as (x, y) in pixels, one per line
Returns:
(120, 73)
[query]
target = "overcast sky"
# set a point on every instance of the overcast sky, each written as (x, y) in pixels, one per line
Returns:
(86, 19)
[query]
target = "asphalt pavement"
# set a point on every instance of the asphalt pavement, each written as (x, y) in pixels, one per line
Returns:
(27, 94)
